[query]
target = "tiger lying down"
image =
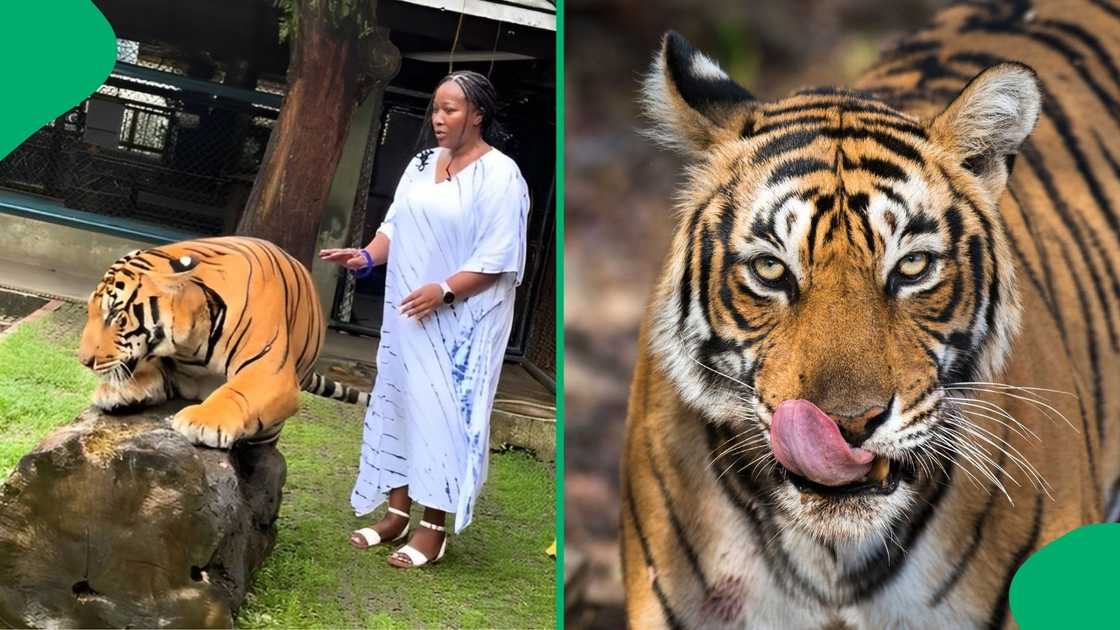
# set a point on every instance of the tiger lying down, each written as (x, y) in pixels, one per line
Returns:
(232, 322)
(880, 367)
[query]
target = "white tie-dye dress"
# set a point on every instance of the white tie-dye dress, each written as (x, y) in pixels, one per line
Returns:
(428, 421)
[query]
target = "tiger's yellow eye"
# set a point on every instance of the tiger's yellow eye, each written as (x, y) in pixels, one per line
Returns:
(768, 268)
(914, 264)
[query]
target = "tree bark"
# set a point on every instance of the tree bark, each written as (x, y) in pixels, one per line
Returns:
(290, 191)
(119, 521)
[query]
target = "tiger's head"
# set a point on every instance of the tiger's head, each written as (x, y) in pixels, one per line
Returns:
(836, 266)
(131, 314)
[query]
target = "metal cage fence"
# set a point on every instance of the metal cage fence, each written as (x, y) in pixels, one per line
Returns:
(154, 146)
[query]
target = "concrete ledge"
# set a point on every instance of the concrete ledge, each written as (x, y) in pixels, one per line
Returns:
(78, 257)
(537, 434)
(524, 413)
(45, 283)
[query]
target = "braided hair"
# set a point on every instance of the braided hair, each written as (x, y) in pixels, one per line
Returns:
(481, 94)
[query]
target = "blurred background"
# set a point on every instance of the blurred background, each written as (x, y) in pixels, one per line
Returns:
(619, 220)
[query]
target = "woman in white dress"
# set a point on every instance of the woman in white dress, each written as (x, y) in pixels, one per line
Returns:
(453, 241)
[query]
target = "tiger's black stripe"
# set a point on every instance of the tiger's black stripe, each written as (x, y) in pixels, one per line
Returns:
(797, 167)
(1037, 278)
(887, 141)
(674, 520)
(1075, 61)
(786, 143)
(1058, 117)
(880, 570)
(1111, 10)
(666, 609)
(153, 308)
(216, 307)
(790, 122)
(877, 167)
(978, 530)
(1046, 271)
(265, 350)
(686, 278)
(1091, 347)
(762, 529)
(234, 349)
(907, 128)
(850, 105)
(858, 203)
(998, 618)
(301, 366)
(822, 205)
(287, 297)
(249, 257)
(1091, 42)
(1085, 243)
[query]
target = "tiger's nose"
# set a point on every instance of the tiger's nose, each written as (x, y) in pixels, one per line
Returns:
(86, 360)
(856, 429)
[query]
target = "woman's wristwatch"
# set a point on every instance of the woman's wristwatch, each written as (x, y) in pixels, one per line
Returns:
(448, 294)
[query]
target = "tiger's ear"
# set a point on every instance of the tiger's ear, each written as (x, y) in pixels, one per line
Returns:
(989, 120)
(691, 102)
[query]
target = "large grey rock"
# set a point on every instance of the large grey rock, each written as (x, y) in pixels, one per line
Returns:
(118, 521)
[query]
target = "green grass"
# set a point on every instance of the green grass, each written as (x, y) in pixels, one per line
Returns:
(495, 575)
(41, 382)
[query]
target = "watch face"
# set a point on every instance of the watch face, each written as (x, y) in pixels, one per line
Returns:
(448, 297)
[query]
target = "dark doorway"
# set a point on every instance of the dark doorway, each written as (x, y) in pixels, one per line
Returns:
(527, 116)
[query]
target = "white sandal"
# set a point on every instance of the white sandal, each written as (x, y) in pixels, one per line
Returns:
(372, 538)
(417, 558)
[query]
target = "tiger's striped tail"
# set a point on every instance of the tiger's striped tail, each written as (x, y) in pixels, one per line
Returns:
(315, 383)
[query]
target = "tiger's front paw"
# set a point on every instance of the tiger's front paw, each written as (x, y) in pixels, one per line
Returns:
(201, 426)
(126, 397)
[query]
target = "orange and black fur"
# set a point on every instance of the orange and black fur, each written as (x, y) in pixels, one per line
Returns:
(881, 253)
(233, 322)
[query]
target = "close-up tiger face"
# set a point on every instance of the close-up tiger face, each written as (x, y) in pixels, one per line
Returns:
(879, 368)
(839, 267)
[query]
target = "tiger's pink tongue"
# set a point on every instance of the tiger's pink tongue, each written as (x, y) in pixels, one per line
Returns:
(808, 443)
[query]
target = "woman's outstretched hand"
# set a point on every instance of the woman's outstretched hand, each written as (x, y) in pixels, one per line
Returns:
(348, 257)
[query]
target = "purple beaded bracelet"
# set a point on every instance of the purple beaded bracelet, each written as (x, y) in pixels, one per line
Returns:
(368, 269)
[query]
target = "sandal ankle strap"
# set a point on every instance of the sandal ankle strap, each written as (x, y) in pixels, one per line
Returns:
(393, 510)
(438, 528)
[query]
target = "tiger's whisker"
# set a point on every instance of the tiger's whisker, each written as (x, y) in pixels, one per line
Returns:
(1038, 403)
(1006, 386)
(973, 410)
(983, 462)
(1017, 457)
(971, 454)
(718, 373)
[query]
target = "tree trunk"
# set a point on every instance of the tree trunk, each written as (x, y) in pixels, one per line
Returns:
(290, 192)
(119, 521)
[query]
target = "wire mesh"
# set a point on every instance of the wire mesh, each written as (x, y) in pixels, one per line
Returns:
(149, 146)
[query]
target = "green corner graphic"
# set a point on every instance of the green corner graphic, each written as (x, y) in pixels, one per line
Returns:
(1070, 583)
(53, 54)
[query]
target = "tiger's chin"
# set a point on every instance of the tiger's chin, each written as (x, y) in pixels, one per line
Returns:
(855, 513)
